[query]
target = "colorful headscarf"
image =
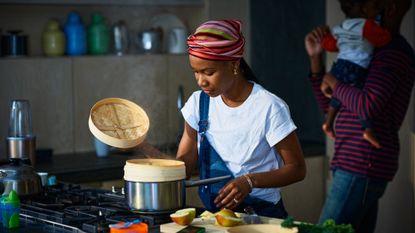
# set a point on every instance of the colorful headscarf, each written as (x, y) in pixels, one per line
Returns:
(226, 42)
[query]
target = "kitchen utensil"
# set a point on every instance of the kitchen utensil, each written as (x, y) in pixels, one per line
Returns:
(120, 38)
(14, 44)
(147, 181)
(43, 178)
(180, 97)
(177, 41)
(53, 40)
(118, 122)
(166, 22)
(149, 41)
(21, 142)
(252, 217)
(101, 149)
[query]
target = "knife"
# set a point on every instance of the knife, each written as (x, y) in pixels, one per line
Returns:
(252, 217)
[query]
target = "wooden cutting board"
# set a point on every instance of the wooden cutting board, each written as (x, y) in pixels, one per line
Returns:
(210, 225)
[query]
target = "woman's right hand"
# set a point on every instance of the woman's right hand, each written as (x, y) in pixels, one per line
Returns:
(313, 39)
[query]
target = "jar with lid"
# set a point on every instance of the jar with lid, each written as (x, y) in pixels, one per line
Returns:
(53, 40)
(98, 36)
(75, 35)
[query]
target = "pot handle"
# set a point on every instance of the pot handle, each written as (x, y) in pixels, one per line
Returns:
(192, 183)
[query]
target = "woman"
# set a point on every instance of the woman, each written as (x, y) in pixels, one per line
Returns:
(235, 127)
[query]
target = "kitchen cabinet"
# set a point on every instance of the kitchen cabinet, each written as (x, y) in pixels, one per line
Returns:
(110, 2)
(62, 91)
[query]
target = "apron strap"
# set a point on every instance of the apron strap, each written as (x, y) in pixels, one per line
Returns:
(203, 112)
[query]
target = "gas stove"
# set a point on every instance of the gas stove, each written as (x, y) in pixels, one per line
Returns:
(71, 208)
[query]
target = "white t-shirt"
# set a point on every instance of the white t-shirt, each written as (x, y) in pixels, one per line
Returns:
(352, 45)
(244, 136)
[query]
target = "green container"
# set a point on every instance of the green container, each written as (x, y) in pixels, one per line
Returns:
(98, 36)
(53, 40)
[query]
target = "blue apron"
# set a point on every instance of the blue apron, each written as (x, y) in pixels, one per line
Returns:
(211, 165)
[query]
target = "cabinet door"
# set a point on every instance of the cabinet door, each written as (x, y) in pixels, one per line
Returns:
(47, 84)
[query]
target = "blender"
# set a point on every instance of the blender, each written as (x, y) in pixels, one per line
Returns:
(21, 144)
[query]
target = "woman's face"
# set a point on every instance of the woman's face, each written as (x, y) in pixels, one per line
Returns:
(213, 77)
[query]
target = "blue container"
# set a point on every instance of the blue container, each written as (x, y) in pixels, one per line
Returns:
(1, 212)
(75, 35)
(10, 210)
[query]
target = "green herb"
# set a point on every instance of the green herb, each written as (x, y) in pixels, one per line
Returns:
(329, 226)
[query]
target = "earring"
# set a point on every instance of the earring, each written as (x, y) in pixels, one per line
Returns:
(235, 71)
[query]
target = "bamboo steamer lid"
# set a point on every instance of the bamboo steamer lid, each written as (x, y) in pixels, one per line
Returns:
(118, 122)
(154, 170)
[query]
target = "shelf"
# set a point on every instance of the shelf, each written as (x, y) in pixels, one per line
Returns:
(193, 3)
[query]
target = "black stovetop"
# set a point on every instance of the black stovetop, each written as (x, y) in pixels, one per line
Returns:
(70, 208)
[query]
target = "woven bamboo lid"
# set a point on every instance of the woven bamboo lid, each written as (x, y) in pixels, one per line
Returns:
(154, 170)
(118, 122)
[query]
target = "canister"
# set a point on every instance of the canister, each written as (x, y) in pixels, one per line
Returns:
(14, 44)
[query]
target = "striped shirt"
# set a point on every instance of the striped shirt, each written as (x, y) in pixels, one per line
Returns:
(384, 99)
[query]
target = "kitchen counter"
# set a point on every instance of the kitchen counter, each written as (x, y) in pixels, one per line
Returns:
(210, 226)
(87, 167)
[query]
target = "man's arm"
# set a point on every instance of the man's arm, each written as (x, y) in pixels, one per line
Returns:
(314, 51)
(384, 74)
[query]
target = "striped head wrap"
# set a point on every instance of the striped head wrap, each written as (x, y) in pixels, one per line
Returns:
(225, 42)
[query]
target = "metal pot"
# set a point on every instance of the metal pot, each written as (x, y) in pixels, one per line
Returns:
(149, 41)
(22, 178)
(2, 176)
(161, 197)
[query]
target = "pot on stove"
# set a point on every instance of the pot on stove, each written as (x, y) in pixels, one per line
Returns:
(158, 185)
(2, 176)
(20, 177)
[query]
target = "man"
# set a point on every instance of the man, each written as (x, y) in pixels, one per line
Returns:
(361, 172)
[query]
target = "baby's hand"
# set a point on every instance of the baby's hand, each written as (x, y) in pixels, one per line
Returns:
(326, 89)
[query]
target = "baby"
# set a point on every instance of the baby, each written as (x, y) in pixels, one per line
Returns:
(355, 39)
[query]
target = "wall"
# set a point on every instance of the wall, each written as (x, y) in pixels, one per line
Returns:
(279, 59)
(62, 90)
(32, 19)
(233, 9)
(396, 211)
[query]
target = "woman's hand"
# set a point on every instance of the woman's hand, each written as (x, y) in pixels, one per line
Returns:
(313, 39)
(233, 193)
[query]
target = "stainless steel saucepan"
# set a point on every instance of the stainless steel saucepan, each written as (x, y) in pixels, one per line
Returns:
(160, 197)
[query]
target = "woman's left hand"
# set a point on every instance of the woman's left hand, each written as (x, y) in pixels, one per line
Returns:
(233, 193)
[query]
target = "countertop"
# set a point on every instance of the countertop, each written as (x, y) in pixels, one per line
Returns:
(87, 167)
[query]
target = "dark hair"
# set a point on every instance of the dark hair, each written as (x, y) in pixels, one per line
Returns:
(247, 71)
(349, 6)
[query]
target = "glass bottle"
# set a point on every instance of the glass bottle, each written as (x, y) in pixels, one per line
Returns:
(98, 36)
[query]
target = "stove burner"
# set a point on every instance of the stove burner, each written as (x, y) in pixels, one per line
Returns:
(89, 210)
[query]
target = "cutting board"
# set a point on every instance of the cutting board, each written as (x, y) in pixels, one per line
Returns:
(210, 225)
